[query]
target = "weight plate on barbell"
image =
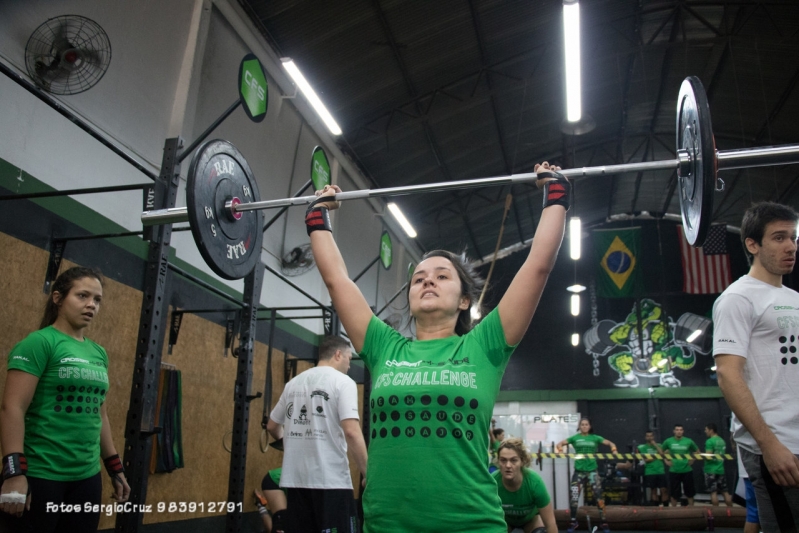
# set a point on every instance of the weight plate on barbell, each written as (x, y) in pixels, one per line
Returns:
(695, 135)
(230, 243)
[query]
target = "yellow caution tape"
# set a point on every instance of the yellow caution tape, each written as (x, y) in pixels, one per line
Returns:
(631, 456)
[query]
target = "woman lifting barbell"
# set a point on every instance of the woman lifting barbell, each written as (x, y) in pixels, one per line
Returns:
(432, 397)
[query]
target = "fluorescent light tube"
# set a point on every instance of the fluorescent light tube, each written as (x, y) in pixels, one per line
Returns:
(575, 304)
(575, 237)
(395, 210)
(571, 35)
(575, 339)
(311, 95)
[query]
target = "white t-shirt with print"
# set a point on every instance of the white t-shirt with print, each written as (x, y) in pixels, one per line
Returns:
(760, 322)
(311, 409)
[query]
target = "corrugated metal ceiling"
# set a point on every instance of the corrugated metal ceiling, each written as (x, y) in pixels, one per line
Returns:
(429, 91)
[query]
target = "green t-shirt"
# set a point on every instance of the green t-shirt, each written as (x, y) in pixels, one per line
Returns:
(682, 446)
(521, 506)
(715, 444)
(655, 467)
(585, 444)
(63, 421)
(432, 403)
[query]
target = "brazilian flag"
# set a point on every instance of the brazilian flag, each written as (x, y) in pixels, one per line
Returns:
(617, 252)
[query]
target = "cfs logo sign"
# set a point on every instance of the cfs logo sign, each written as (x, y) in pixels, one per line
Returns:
(253, 84)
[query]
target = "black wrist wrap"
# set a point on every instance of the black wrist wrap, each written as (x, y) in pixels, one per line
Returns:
(557, 191)
(317, 218)
(14, 464)
(113, 465)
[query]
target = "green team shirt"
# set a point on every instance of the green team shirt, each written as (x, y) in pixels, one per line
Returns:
(431, 404)
(521, 506)
(715, 444)
(682, 446)
(585, 444)
(63, 421)
(653, 467)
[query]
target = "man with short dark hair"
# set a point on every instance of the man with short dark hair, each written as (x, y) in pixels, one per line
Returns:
(681, 472)
(654, 471)
(715, 478)
(317, 418)
(755, 341)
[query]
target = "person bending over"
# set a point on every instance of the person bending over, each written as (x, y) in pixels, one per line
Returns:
(524, 496)
(271, 502)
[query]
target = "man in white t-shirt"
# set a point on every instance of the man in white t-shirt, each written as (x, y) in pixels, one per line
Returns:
(756, 346)
(317, 418)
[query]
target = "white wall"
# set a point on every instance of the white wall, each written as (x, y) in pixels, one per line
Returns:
(511, 416)
(174, 70)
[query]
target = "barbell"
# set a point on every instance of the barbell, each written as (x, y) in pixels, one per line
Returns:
(223, 205)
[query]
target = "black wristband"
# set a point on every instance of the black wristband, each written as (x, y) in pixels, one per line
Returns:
(14, 464)
(317, 218)
(557, 191)
(113, 465)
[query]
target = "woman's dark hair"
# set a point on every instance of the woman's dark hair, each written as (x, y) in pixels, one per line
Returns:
(471, 285)
(591, 426)
(62, 285)
(757, 217)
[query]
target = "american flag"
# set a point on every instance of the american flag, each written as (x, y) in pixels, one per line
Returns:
(706, 270)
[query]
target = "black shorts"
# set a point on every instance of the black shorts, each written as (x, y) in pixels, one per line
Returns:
(72, 496)
(716, 483)
(655, 481)
(685, 479)
(267, 483)
(321, 510)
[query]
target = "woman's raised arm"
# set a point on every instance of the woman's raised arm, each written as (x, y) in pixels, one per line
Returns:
(517, 306)
(349, 302)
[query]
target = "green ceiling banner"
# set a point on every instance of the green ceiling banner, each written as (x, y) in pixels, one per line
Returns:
(320, 169)
(617, 251)
(385, 250)
(253, 88)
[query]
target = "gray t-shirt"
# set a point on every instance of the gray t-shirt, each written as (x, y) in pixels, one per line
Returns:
(311, 409)
(760, 322)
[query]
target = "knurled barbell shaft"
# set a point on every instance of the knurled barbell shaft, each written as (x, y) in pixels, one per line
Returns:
(727, 159)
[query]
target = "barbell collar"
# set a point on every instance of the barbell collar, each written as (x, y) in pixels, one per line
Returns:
(685, 160)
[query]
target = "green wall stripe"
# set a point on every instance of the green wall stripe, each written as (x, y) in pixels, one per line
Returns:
(608, 394)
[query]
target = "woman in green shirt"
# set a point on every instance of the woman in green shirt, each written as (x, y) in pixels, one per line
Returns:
(53, 424)
(432, 397)
(585, 470)
(524, 496)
